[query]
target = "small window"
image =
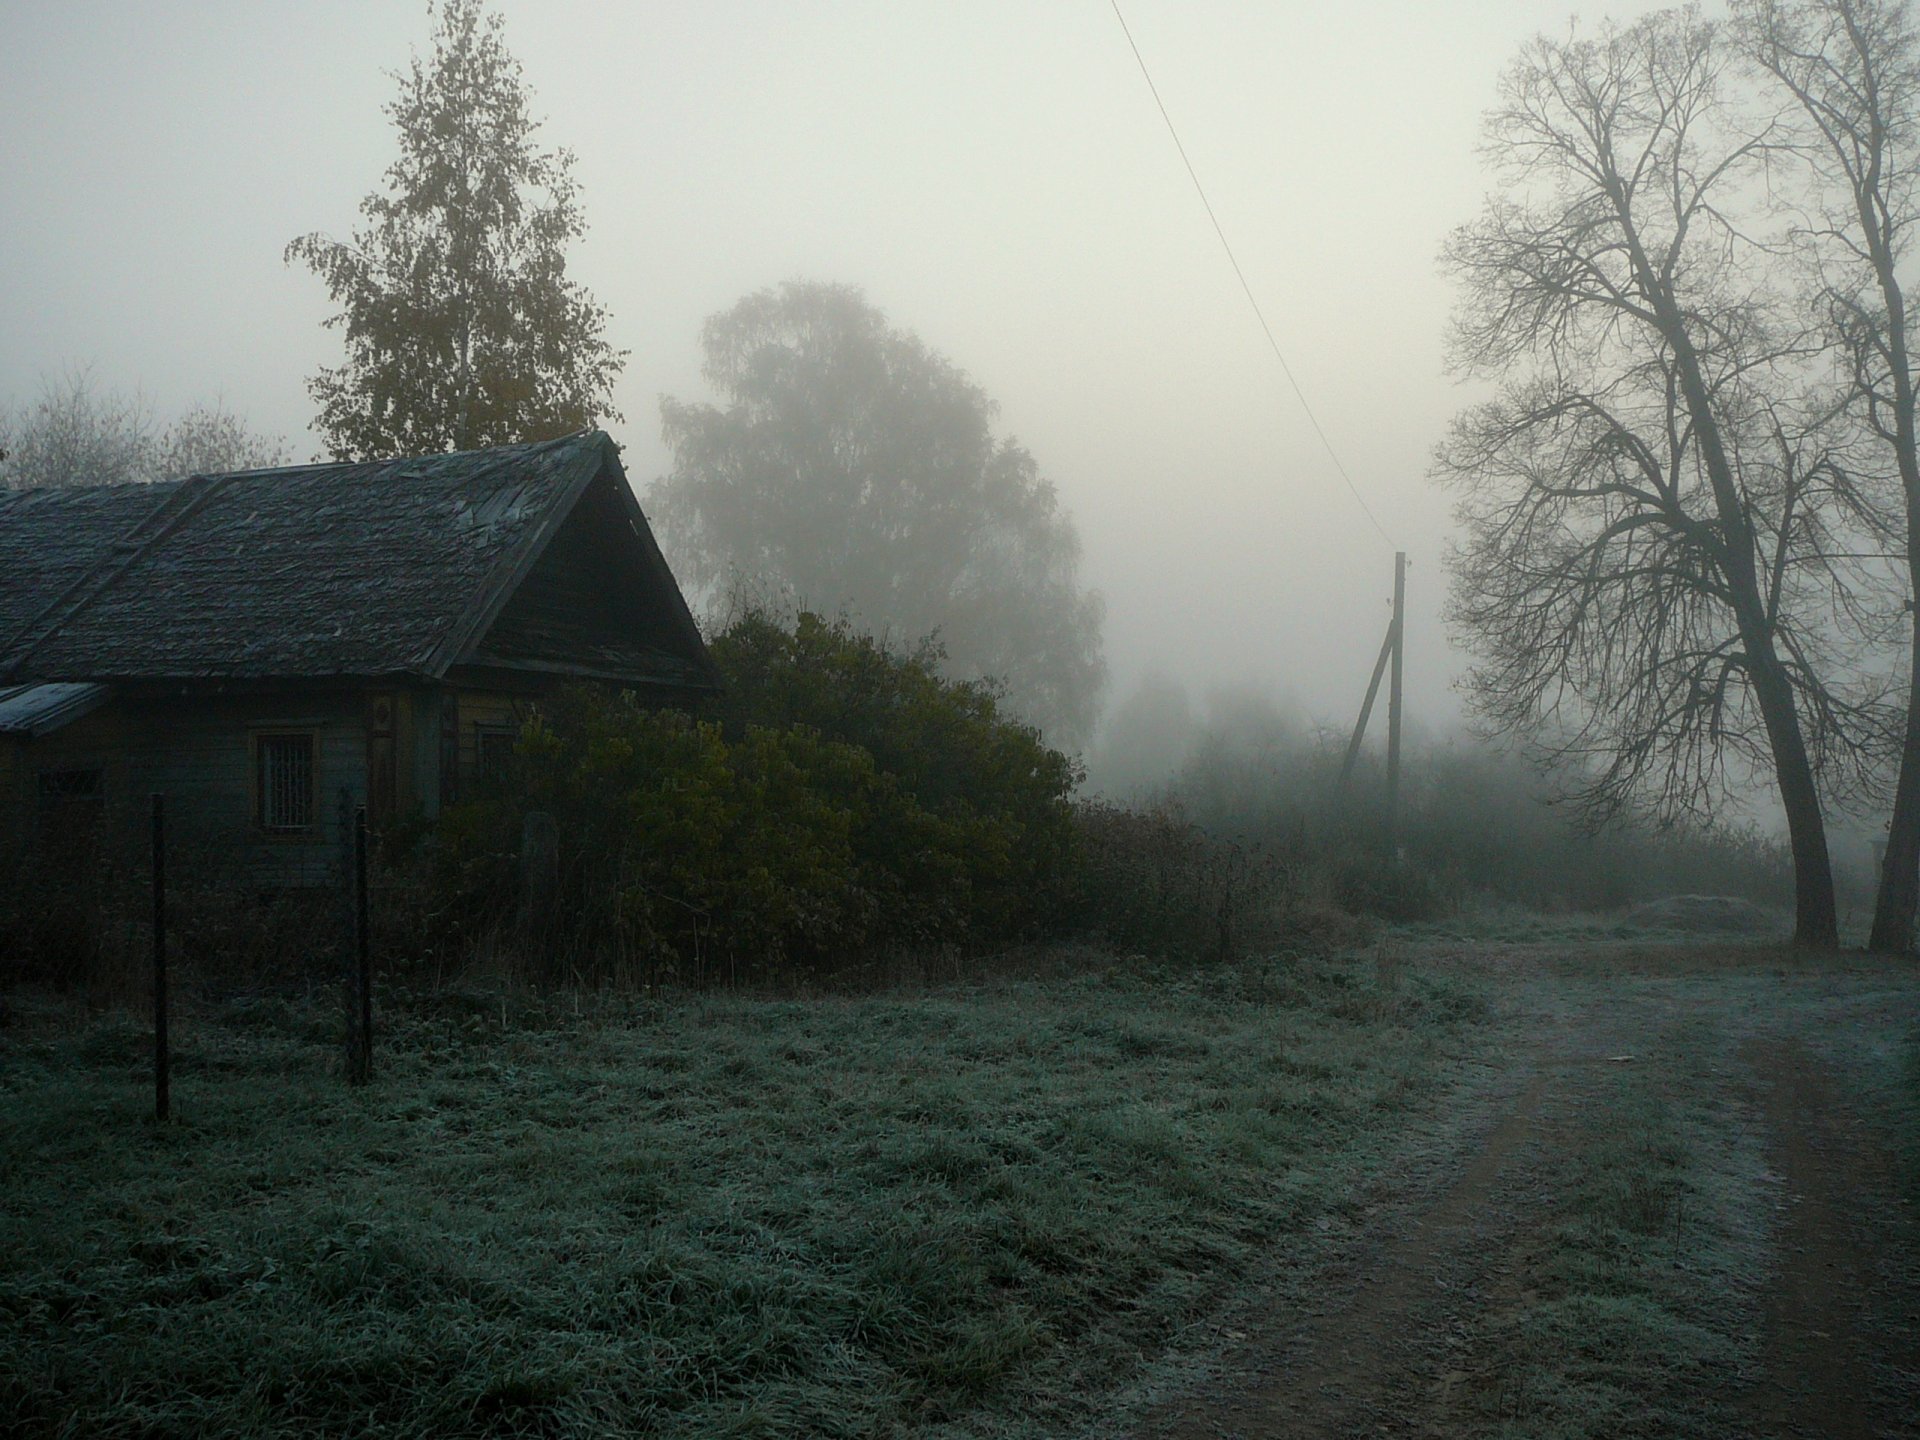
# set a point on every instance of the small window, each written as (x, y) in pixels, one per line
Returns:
(59, 786)
(493, 750)
(71, 809)
(283, 782)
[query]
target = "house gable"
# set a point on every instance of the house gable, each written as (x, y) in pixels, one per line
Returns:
(598, 602)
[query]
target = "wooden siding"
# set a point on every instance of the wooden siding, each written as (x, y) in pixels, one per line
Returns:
(482, 710)
(199, 755)
(400, 750)
(12, 800)
(418, 749)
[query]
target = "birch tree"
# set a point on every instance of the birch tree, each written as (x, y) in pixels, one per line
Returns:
(462, 327)
(852, 469)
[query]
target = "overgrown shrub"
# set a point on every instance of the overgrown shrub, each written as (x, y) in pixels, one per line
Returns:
(838, 797)
(56, 932)
(1366, 882)
(1150, 880)
(945, 743)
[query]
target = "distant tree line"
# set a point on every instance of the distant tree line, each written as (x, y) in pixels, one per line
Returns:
(1477, 822)
(79, 432)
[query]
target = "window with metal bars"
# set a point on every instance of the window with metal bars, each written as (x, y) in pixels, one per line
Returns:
(283, 782)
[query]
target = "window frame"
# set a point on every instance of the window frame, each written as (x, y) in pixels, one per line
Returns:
(53, 793)
(53, 801)
(259, 743)
(487, 734)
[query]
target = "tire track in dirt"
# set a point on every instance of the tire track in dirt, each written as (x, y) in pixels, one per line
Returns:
(1346, 1374)
(1816, 1379)
(1389, 1334)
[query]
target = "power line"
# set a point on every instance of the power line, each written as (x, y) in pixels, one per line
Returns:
(1241, 275)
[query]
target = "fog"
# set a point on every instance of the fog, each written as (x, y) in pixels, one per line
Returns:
(996, 177)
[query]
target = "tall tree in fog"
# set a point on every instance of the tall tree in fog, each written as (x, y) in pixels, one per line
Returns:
(1145, 740)
(1646, 521)
(461, 326)
(79, 433)
(1851, 71)
(852, 468)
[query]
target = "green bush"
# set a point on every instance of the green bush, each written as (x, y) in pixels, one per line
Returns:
(838, 797)
(945, 743)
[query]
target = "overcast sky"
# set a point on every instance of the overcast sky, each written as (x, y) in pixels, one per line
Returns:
(995, 176)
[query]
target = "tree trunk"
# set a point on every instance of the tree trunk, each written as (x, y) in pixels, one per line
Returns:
(1899, 895)
(1815, 919)
(1859, 93)
(1816, 923)
(1894, 903)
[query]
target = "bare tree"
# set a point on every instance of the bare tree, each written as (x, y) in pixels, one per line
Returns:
(76, 433)
(1853, 75)
(80, 433)
(210, 439)
(1643, 525)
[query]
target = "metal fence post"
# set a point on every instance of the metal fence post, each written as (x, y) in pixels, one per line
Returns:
(162, 1059)
(363, 947)
(348, 937)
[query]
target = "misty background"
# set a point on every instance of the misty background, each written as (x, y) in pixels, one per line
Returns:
(994, 176)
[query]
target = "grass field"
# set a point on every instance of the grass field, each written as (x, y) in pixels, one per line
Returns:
(1679, 1201)
(968, 1209)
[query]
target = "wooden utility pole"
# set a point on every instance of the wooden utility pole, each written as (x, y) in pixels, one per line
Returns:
(1392, 649)
(1366, 707)
(1399, 634)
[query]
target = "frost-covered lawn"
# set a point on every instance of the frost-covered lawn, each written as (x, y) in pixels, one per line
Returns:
(973, 1207)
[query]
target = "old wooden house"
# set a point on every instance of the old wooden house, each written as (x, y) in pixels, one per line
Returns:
(272, 648)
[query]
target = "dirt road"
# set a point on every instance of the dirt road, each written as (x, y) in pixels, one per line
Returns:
(1672, 1206)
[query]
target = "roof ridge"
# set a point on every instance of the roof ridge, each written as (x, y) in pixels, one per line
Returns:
(514, 451)
(308, 571)
(183, 501)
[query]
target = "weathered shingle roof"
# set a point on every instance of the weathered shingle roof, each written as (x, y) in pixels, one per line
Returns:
(42, 709)
(394, 568)
(52, 539)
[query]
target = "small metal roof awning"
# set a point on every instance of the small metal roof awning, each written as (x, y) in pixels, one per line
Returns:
(27, 710)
